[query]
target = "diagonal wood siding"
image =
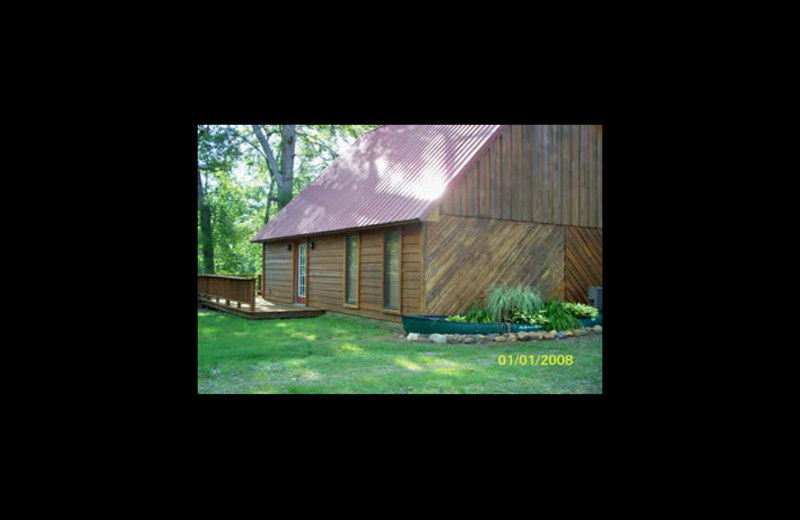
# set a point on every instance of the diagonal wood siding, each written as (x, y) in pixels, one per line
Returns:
(584, 262)
(465, 256)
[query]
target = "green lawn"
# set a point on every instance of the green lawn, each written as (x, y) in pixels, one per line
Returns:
(334, 353)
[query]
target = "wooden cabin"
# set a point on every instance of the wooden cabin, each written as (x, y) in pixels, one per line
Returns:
(423, 219)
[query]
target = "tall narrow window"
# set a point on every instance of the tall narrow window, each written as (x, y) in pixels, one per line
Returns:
(391, 270)
(301, 272)
(351, 270)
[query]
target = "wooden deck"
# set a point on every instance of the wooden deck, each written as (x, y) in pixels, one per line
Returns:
(264, 310)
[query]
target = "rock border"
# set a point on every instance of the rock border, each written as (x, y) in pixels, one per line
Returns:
(513, 337)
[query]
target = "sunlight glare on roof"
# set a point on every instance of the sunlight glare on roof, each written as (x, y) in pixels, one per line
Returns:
(430, 187)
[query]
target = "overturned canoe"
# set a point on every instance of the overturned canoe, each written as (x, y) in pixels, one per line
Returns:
(439, 325)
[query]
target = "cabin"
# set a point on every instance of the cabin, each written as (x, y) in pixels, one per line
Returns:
(422, 219)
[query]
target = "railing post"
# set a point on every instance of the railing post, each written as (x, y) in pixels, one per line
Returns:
(252, 293)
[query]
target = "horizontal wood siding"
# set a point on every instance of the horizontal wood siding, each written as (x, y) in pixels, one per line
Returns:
(326, 264)
(411, 268)
(465, 256)
(371, 282)
(549, 174)
(278, 272)
(584, 262)
(325, 272)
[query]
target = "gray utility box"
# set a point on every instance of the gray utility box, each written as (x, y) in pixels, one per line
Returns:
(596, 296)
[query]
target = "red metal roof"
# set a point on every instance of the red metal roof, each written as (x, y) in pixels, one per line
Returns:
(395, 173)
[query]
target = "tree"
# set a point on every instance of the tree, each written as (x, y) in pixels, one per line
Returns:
(236, 185)
(217, 149)
(318, 146)
(282, 177)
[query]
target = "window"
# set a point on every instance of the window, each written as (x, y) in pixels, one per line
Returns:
(351, 270)
(391, 270)
(301, 271)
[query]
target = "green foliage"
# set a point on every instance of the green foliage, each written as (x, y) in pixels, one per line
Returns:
(217, 147)
(236, 181)
(537, 318)
(558, 317)
(503, 301)
(475, 314)
(580, 310)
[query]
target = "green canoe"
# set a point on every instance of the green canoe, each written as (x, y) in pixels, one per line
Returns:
(439, 325)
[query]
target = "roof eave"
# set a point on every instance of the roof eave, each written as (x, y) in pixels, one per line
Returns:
(337, 231)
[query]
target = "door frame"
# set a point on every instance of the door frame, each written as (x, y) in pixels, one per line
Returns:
(296, 298)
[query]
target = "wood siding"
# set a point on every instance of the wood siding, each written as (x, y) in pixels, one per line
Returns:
(278, 272)
(584, 262)
(411, 263)
(464, 256)
(550, 174)
(326, 265)
(326, 272)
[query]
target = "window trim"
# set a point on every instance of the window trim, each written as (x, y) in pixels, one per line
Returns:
(358, 272)
(399, 310)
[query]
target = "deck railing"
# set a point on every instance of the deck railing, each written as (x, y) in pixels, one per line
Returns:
(259, 284)
(215, 286)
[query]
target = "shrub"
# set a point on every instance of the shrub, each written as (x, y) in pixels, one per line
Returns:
(558, 317)
(503, 301)
(580, 310)
(477, 314)
(537, 318)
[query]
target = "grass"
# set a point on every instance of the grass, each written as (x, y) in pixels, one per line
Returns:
(345, 354)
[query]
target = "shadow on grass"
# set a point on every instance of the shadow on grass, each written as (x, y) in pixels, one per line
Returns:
(223, 337)
(344, 354)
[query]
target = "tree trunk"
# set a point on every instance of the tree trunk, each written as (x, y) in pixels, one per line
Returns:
(270, 197)
(283, 176)
(206, 232)
(286, 177)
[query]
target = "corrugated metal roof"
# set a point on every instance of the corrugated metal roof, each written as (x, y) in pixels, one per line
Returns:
(395, 173)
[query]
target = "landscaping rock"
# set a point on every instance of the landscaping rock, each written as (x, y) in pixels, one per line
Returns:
(569, 333)
(512, 337)
(522, 336)
(561, 334)
(536, 336)
(499, 339)
(412, 336)
(598, 329)
(470, 339)
(580, 332)
(549, 335)
(438, 338)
